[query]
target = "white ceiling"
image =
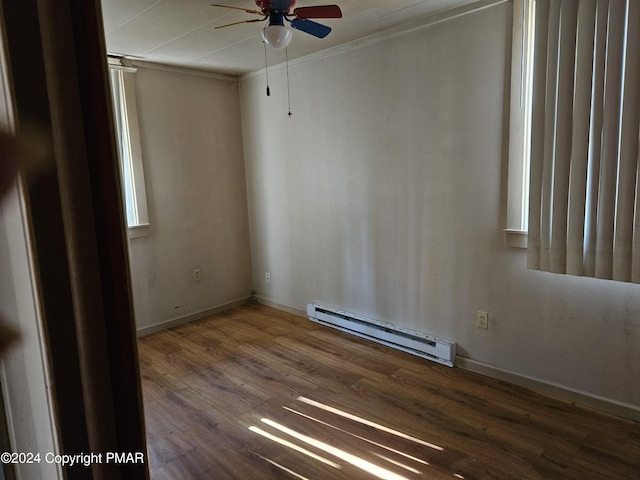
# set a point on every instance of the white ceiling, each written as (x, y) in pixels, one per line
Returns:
(182, 32)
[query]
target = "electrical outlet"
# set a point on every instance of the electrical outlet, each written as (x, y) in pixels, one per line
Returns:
(482, 319)
(197, 275)
(267, 277)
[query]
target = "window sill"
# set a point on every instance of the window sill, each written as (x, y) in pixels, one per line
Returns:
(137, 231)
(516, 238)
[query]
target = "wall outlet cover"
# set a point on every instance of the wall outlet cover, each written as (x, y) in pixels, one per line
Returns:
(482, 319)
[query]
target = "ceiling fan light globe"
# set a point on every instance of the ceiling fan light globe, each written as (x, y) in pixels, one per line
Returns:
(277, 36)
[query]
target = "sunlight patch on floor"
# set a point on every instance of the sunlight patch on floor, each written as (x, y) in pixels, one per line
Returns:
(354, 460)
(398, 452)
(283, 468)
(395, 460)
(293, 446)
(398, 464)
(369, 423)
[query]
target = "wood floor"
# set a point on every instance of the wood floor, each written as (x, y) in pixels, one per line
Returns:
(255, 393)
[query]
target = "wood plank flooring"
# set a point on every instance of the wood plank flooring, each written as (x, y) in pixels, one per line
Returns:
(255, 393)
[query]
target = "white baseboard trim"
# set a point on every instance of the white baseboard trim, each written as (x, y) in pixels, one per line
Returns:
(620, 409)
(280, 306)
(174, 322)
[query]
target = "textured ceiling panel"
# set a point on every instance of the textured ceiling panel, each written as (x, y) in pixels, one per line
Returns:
(182, 32)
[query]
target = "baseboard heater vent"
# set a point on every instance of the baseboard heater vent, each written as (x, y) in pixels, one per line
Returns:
(423, 345)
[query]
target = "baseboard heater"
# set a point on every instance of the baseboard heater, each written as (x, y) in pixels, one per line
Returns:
(426, 346)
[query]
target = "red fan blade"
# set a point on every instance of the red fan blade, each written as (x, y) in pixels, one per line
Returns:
(256, 12)
(320, 11)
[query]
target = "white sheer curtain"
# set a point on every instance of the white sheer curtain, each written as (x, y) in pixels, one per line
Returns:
(584, 211)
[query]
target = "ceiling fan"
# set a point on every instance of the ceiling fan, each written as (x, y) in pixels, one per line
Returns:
(276, 34)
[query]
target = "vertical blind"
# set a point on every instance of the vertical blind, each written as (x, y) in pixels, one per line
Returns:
(584, 207)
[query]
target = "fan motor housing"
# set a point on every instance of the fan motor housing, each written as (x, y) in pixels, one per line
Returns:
(265, 5)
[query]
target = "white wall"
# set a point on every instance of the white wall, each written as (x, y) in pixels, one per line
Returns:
(191, 141)
(384, 195)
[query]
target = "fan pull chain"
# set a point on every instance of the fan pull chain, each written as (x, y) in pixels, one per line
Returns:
(286, 59)
(266, 69)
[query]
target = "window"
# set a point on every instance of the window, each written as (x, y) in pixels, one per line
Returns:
(520, 123)
(578, 118)
(129, 151)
